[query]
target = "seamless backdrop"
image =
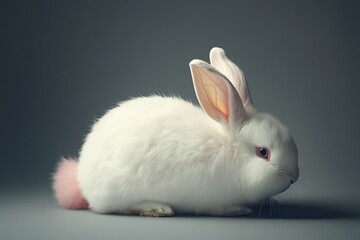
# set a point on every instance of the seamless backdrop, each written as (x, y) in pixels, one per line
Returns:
(64, 63)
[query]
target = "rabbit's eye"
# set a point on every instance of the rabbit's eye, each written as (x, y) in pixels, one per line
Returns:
(263, 152)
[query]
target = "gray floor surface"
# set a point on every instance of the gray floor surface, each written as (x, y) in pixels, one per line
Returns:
(35, 215)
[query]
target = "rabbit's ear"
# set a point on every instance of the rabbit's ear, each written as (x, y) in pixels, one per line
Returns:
(219, 60)
(217, 95)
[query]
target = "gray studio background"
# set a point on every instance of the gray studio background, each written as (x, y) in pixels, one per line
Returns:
(64, 63)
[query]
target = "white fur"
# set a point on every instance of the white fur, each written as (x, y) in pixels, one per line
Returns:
(168, 151)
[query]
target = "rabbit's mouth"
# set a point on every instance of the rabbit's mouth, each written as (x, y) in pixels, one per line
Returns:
(285, 176)
(284, 181)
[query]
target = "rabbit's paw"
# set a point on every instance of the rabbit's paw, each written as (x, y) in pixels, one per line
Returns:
(154, 209)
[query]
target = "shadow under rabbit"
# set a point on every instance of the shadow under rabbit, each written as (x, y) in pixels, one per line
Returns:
(296, 210)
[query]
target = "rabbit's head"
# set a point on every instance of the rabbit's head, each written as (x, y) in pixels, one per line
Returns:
(265, 151)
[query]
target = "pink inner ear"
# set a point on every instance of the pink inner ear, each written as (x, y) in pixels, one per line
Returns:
(217, 96)
(212, 92)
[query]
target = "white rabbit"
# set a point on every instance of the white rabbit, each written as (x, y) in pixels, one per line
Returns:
(153, 155)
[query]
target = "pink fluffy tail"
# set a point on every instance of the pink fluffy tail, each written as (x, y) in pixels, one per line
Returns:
(66, 185)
